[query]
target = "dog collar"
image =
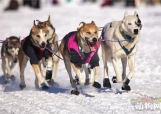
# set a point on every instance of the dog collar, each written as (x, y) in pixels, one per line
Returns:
(127, 37)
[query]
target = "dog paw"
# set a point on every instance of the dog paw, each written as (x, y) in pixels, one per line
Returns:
(22, 86)
(114, 79)
(48, 75)
(50, 82)
(126, 87)
(44, 86)
(75, 92)
(96, 85)
(106, 83)
(12, 77)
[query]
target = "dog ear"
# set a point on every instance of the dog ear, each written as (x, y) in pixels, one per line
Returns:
(126, 14)
(136, 14)
(82, 23)
(93, 23)
(38, 21)
(34, 25)
(48, 18)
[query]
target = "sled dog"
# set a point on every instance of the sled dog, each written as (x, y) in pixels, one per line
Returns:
(53, 41)
(120, 42)
(78, 48)
(9, 54)
(34, 47)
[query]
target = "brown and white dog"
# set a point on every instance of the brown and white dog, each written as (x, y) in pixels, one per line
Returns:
(78, 48)
(9, 54)
(34, 47)
(121, 38)
(53, 41)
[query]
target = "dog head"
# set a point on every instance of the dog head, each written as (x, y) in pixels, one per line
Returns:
(49, 27)
(132, 23)
(39, 35)
(89, 32)
(13, 45)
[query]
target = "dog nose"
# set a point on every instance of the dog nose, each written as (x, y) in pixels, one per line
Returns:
(43, 44)
(94, 39)
(15, 60)
(135, 31)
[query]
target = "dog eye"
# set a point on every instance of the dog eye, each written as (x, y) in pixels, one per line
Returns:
(95, 32)
(38, 36)
(129, 23)
(89, 32)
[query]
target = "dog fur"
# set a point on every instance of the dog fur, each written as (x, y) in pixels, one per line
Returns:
(112, 51)
(38, 38)
(53, 40)
(84, 35)
(9, 54)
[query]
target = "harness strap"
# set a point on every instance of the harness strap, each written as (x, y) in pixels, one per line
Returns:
(125, 49)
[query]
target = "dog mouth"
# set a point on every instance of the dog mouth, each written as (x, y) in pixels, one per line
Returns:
(92, 44)
(43, 46)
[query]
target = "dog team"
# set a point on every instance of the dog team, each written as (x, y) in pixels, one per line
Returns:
(79, 51)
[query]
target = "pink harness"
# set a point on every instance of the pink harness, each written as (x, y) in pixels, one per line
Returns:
(73, 45)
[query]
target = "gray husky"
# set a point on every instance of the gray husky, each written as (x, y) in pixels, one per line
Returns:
(121, 38)
(9, 54)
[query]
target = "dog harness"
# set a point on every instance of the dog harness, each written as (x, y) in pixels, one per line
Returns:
(77, 56)
(127, 38)
(34, 53)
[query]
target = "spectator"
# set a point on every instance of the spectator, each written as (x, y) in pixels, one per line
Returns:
(55, 2)
(13, 5)
(130, 3)
(107, 3)
(32, 3)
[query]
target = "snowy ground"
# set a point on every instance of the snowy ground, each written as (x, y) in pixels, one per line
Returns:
(66, 18)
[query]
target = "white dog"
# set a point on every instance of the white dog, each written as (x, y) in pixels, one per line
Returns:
(120, 40)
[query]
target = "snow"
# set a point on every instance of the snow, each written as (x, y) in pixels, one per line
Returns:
(58, 100)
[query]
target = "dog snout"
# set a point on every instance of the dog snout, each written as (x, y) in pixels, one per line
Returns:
(94, 39)
(136, 31)
(15, 60)
(43, 44)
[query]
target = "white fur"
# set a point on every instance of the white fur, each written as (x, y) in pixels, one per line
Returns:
(112, 51)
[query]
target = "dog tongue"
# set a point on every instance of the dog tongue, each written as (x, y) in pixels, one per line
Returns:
(92, 48)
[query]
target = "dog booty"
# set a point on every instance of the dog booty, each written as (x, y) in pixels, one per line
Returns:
(96, 85)
(106, 83)
(48, 74)
(125, 84)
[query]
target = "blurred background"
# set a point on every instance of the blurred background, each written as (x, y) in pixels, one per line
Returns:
(37, 4)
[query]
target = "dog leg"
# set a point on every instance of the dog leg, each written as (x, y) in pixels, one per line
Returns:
(86, 74)
(55, 67)
(40, 77)
(124, 64)
(131, 63)
(4, 71)
(106, 81)
(49, 69)
(104, 58)
(12, 77)
(130, 75)
(96, 84)
(41, 66)
(68, 68)
(116, 68)
(78, 73)
(22, 64)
